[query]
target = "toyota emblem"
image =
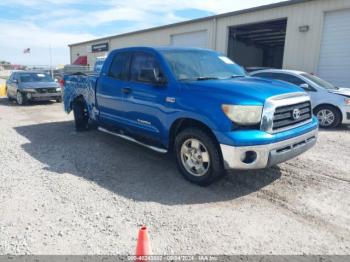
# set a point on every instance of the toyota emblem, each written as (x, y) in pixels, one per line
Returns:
(296, 114)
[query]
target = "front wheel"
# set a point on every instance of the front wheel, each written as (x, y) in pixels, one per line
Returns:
(59, 100)
(81, 116)
(20, 98)
(328, 116)
(198, 156)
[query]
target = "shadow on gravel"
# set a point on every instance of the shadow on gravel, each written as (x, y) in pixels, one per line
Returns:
(6, 102)
(341, 128)
(130, 170)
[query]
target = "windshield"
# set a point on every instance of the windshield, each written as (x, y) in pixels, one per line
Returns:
(35, 77)
(201, 65)
(320, 82)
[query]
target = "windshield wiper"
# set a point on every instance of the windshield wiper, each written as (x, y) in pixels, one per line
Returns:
(235, 76)
(201, 78)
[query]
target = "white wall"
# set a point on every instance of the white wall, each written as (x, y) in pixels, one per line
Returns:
(301, 49)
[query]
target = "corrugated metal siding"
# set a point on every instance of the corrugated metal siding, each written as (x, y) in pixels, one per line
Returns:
(301, 49)
(334, 64)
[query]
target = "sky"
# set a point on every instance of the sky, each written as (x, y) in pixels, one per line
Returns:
(41, 24)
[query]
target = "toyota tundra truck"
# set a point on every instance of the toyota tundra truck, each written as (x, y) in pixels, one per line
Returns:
(197, 104)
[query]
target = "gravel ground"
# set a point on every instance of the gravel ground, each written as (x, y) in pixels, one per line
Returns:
(63, 192)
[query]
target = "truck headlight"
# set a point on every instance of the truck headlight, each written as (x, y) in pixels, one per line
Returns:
(244, 115)
(347, 101)
(58, 89)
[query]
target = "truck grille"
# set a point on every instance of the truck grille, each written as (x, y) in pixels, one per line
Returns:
(46, 90)
(288, 116)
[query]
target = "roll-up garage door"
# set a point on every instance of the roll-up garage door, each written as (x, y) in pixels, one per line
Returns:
(194, 39)
(334, 64)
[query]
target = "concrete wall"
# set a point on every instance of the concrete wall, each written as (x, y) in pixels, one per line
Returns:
(301, 49)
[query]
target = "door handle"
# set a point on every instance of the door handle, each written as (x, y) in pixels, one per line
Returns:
(126, 90)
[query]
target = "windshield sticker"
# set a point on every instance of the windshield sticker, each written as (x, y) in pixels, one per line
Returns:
(226, 60)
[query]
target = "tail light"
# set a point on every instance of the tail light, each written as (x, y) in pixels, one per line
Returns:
(61, 82)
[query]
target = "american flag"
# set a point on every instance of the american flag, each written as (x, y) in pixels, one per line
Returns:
(26, 51)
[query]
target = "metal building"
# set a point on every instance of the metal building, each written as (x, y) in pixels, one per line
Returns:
(308, 35)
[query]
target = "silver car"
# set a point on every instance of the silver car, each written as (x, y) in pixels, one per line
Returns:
(24, 86)
(330, 104)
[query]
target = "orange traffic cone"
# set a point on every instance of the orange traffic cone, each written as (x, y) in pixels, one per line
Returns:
(142, 248)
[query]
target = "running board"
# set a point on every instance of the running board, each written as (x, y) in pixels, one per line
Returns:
(157, 149)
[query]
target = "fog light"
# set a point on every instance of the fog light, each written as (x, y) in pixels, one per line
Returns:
(249, 157)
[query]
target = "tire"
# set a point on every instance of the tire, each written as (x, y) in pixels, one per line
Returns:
(20, 98)
(328, 116)
(198, 157)
(59, 100)
(81, 116)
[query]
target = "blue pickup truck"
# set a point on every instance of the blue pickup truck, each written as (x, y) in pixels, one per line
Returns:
(196, 103)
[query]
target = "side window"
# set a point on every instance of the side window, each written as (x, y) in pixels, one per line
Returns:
(120, 66)
(145, 68)
(290, 79)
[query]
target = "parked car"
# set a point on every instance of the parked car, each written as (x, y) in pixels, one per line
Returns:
(330, 104)
(24, 86)
(195, 103)
(98, 64)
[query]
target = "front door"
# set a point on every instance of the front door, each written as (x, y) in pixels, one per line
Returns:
(145, 107)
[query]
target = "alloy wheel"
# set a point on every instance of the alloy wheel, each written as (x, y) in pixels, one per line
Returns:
(19, 98)
(326, 117)
(195, 157)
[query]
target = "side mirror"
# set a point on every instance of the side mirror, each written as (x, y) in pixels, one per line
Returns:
(305, 86)
(15, 81)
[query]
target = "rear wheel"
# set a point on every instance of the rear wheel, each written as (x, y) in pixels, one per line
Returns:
(198, 156)
(328, 116)
(20, 98)
(81, 116)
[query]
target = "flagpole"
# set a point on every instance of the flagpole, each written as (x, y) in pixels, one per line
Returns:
(51, 71)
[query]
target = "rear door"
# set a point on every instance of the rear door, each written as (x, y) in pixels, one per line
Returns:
(109, 90)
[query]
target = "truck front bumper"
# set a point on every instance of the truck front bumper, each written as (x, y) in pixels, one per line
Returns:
(262, 156)
(43, 96)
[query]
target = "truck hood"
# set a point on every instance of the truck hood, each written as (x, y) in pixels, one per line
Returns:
(38, 85)
(243, 90)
